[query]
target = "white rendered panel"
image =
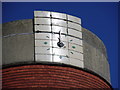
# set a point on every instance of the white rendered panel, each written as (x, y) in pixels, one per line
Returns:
(58, 15)
(75, 55)
(43, 28)
(74, 19)
(59, 22)
(75, 47)
(43, 50)
(58, 28)
(41, 14)
(61, 59)
(43, 36)
(58, 51)
(75, 33)
(42, 21)
(40, 57)
(76, 62)
(64, 47)
(75, 40)
(74, 26)
(56, 36)
(46, 48)
(45, 43)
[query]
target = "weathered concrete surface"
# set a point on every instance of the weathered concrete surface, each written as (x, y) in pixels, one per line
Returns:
(95, 57)
(19, 26)
(18, 48)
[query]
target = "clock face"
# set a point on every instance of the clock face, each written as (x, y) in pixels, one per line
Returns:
(58, 38)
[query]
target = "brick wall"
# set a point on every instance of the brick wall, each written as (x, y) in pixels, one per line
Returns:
(46, 76)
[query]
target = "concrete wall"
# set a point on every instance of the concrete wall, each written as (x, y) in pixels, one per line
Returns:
(95, 57)
(20, 47)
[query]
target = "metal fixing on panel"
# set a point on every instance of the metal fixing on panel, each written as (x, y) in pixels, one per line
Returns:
(75, 33)
(42, 21)
(61, 59)
(64, 47)
(75, 55)
(43, 50)
(43, 58)
(63, 37)
(43, 28)
(76, 62)
(74, 19)
(43, 36)
(59, 22)
(75, 40)
(76, 47)
(60, 51)
(45, 43)
(58, 15)
(58, 28)
(74, 26)
(41, 13)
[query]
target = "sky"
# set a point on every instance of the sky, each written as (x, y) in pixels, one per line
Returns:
(99, 17)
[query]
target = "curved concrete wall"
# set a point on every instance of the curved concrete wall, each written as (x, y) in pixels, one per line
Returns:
(20, 42)
(95, 57)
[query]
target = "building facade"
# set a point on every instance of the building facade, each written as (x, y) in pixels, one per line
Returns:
(53, 50)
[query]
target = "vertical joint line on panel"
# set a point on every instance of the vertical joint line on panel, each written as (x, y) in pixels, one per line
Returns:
(67, 23)
(82, 46)
(34, 38)
(51, 34)
(67, 37)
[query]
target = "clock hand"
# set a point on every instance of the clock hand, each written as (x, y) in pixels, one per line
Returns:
(60, 44)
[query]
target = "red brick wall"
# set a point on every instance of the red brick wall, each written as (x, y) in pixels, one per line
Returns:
(43, 76)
